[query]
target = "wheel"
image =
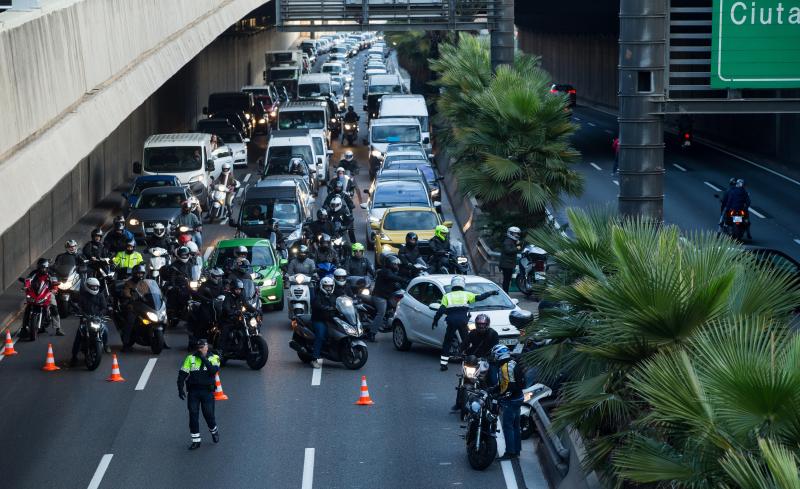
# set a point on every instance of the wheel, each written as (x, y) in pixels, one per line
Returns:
(94, 354)
(483, 456)
(354, 357)
(370, 242)
(524, 284)
(528, 426)
(738, 232)
(399, 337)
(257, 358)
(63, 307)
(157, 342)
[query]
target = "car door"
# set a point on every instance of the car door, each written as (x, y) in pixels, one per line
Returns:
(432, 294)
(412, 306)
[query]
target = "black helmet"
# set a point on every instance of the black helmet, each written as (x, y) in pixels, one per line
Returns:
(322, 214)
(350, 108)
(244, 266)
(43, 265)
(200, 343)
(139, 272)
(97, 233)
(119, 220)
(237, 285)
(732, 182)
(392, 262)
(302, 252)
(324, 241)
(482, 322)
(130, 244)
(411, 239)
(183, 254)
(338, 186)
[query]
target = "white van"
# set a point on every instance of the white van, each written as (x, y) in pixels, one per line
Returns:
(285, 145)
(322, 154)
(408, 106)
(314, 86)
(383, 132)
(187, 156)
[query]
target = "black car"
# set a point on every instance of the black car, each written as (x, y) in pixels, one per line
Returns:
(278, 200)
(156, 204)
(225, 104)
(568, 90)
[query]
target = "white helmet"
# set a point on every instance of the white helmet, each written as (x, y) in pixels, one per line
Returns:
(226, 167)
(326, 285)
(458, 281)
(348, 155)
(340, 169)
(340, 276)
(514, 233)
(159, 230)
(193, 249)
(336, 203)
(92, 285)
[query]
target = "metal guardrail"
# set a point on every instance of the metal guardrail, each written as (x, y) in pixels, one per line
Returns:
(385, 15)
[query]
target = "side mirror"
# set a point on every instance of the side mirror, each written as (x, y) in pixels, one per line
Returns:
(137, 167)
(434, 306)
(364, 205)
(320, 161)
(437, 204)
(448, 223)
(20, 280)
(366, 191)
(210, 165)
(426, 141)
(515, 301)
(246, 140)
(205, 110)
(374, 225)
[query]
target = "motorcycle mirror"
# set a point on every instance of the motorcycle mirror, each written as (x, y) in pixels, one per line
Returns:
(329, 152)
(366, 191)
(437, 204)
(434, 306)
(375, 225)
(21, 280)
(246, 140)
(284, 262)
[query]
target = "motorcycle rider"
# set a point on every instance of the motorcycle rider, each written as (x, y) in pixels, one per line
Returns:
(301, 263)
(350, 117)
(738, 199)
(387, 281)
(337, 190)
(349, 163)
(189, 219)
(342, 215)
(91, 303)
(440, 247)
(129, 258)
(198, 372)
(227, 179)
(358, 265)
(132, 291)
(341, 176)
(455, 304)
(723, 198)
(340, 281)
(508, 390)
(232, 308)
(508, 255)
(409, 254)
(119, 238)
(239, 256)
(43, 276)
(323, 307)
(94, 250)
(322, 225)
(479, 343)
(324, 252)
(159, 239)
(208, 291)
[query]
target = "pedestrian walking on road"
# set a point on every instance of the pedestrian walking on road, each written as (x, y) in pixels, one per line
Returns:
(508, 255)
(615, 147)
(198, 373)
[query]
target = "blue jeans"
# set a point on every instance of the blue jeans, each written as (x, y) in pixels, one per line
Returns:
(198, 240)
(320, 332)
(511, 429)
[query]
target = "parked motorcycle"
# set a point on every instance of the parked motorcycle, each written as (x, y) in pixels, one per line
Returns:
(150, 316)
(66, 268)
(531, 268)
(343, 342)
(244, 341)
(37, 305)
(91, 331)
(533, 395)
(483, 412)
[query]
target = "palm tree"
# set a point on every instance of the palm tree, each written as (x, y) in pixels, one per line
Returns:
(636, 289)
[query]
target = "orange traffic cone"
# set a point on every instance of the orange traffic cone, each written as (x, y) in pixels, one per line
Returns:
(364, 400)
(9, 349)
(50, 364)
(115, 375)
(218, 394)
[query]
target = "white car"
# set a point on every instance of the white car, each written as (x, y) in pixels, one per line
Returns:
(414, 315)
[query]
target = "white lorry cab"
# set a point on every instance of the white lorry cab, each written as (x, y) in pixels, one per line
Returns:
(188, 156)
(408, 106)
(383, 132)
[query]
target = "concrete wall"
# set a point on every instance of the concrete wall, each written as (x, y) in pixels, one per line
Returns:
(226, 64)
(586, 61)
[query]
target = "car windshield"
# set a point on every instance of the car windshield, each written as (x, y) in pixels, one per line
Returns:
(313, 89)
(259, 256)
(301, 119)
(286, 212)
(218, 102)
(143, 184)
(279, 157)
(404, 157)
(499, 301)
(395, 134)
(399, 193)
(332, 69)
(409, 220)
(160, 200)
(172, 159)
(385, 89)
(283, 73)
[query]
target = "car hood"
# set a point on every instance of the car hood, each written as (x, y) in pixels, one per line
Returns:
(236, 147)
(399, 237)
(158, 214)
(377, 213)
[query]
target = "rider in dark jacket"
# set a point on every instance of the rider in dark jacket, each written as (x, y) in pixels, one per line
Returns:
(232, 311)
(408, 255)
(95, 250)
(479, 341)
(119, 238)
(358, 265)
(322, 225)
(440, 247)
(91, 302)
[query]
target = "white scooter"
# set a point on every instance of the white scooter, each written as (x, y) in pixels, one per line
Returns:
(159, 258)
(221, 199)
(533, 395)
(299, 295)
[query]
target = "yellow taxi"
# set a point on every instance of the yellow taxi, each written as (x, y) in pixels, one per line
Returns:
(391, 230)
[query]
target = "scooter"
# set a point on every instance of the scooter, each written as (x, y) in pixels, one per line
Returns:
(158, 259)
(343, 342)
(299, 298)
(219, 200)
(150, 316)
(531, 268)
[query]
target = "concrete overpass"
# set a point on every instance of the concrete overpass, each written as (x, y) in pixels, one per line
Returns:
(84, 82)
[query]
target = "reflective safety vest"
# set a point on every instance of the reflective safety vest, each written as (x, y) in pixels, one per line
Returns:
(458, 298)
(193, 364)
(124, 260)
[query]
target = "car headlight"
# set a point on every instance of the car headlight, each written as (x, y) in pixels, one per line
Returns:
(263, 120)
(241, 152)
(377, 154)
(194, 284)
(253, 322)
(295, 235)
(152, 316)
(133, 222)
(471, 326)
(274, 113)
(197, 178)
(270, 282)
(94, 325)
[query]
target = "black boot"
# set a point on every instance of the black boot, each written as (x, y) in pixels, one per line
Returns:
(215, 435)
(195, 445)
(443, 367)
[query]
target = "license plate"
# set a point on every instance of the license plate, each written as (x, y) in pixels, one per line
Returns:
(148, 230)
(737, 219)
(509, 341)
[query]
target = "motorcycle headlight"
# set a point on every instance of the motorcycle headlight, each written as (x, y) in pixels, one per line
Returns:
(347, 127)
(270, 282)
(461, 260)
(94, 325)
(65, 285)
(295, 234)
(469, 371)
(300, 279)
(247, 116)
(475, 407)
(152, 316)
(528, 396)
(194, 284)
(333, 119)
(263, 120)
(241, 152)
(274, 113)
(184, 229)
(365, 292)
(134, 222)
(338, 241)
(253, 322)
(471, 326)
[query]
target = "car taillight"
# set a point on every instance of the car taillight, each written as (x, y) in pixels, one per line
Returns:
(687, 135)
(538, 265)
(553, 90)
(572, 92)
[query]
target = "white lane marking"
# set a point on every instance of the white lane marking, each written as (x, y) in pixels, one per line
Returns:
(797, 241)
(714, 187)
(316, 376)
(148, 369)
(592, 124)
(770, 170)
(616, 182)
(308, 469)
(609, 131)
(246, 178)
(100, 472)
(595, 166)
(508, 469)
(679, 167)
(208, 252)
(756, 213)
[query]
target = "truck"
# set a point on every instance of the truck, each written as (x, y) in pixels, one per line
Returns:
(283, 68)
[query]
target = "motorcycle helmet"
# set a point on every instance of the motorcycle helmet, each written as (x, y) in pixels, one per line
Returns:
(340, 276)
(71, 246)
(350, 108)
(186, 206)
(200, 343)
(441, 231)
(215, 275)
(392, 262)
(226, 167)
(324, 241)
(322, 215)
(183, 239)
(482, 323)
(499, 353)
(296, 166)
(340, 170)
(357, 248)
(732, 182)
(326, 285)
(97, 233)
(119, 220)
(514, 233)
(159, 230)
(183, 254)
(130, 246)
(411, 240)
(740, 183)
(458, 281)
(336, 204)
(338, 187)
(241, 252)
(244, 266)
(237, 286)
(348, 155)
(193, 249)
(43, 265)
(92, 285)
(139, 272)
(302, 252)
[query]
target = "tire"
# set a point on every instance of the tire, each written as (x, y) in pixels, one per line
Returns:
(304, 358)
(528, 427)
(523, 285)
(94, 354)
(357, 361)
(157, 343)
(482, 457)
(399, 337)
(738, 232)
(63, 307)
(256, 360)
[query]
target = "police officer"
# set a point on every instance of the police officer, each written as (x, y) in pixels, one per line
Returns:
(197, 374)
(455, 304)
(128, 258)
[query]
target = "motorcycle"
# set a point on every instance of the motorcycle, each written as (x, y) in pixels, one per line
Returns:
(184, 235)
(158, 259)
(150, 316)
(104, 274)
(343, 342)
(91, 331)
(66, 268)
(244, 341)
(455, 261)
(737, 223)
(218, 208)
(351, 132)
(473, 373)
(483, 412)
(533, 395)
(530, 268)
(299, 295)
(37, 305)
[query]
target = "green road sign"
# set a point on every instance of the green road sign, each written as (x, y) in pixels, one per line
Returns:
(755, 44)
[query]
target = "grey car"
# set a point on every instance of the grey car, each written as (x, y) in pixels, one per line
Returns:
(155, 205)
